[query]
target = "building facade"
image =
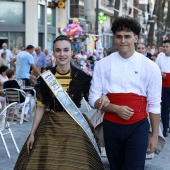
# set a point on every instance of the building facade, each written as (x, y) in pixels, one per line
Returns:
(38, 22)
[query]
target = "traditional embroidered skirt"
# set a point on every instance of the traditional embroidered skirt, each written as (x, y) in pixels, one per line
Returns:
(60, 144)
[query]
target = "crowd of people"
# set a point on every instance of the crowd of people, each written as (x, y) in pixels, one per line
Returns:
(160, 55)
(26, 63)
(131, 86)
(149, 51)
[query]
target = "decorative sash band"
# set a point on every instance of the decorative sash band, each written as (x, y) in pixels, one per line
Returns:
(68, 105)
(134, 101)
(166, 80)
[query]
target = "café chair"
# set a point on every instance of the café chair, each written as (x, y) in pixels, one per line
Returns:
(6, 120)
(13, 95)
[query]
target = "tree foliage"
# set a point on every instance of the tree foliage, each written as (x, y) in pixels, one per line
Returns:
(152, 24)
(167, 29)
(135, 14)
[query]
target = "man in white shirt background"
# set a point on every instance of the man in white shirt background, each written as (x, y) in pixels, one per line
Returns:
(163, 62)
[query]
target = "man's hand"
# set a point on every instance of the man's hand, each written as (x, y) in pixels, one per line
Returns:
(124, 112)
(152, 144)
(163, 75)
(33, 80)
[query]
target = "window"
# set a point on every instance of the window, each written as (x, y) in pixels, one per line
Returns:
(41, 40)
(77, 9)
(107, 40)
(16, 40)
(3, 35)
(50, 39)
(12, 12)
(50, 17)
(41, 16)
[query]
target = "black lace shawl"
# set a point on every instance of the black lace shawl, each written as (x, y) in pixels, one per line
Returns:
(78, 87)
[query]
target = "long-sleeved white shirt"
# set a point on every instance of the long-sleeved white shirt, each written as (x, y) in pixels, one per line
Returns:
(137, 74)
(163, 62)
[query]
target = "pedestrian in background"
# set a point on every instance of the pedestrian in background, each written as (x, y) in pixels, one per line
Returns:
(3, 78)
(163, 62)
(12, 83)
(141, 48)
(8, 52)
(40, 59)
(132, 83)
(48, 59)
(3, 59)
(24, 61)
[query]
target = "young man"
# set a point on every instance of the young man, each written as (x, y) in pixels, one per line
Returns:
(163, 62)
(133, 84)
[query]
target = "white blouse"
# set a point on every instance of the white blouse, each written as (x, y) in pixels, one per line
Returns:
(137, 74)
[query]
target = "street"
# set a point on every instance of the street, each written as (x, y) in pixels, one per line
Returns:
(20, 132)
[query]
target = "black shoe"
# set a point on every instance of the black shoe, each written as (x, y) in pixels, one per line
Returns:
(165, 133)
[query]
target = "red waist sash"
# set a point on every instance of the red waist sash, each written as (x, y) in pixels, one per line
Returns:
(134, 101)
(166, 80)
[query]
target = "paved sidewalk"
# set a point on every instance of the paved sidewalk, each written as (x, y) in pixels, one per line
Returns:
(159, 162)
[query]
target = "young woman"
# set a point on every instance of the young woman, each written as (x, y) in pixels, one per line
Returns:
(56, 141)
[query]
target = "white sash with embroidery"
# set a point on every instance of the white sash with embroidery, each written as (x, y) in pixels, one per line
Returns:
(68, 105)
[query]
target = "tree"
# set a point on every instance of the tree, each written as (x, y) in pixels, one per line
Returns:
(167, 29)
(116, 14)
(135, 14)
(160, 28)
(152, 24)
(117, 6)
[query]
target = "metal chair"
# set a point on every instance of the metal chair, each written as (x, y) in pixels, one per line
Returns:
(6, 117)
(33, 99)
(13, 95)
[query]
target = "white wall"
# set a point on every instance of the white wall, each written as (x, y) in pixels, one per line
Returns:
(31, 18)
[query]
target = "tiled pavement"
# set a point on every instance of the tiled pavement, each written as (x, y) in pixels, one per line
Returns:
(159, 162)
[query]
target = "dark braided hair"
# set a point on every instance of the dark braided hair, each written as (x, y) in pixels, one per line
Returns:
(60, 38)
(126, 24)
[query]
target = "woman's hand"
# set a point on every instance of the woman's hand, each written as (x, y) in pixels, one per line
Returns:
(30, 143)
(104, 102)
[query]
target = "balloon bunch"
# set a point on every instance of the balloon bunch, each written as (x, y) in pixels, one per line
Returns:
(72, 30)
